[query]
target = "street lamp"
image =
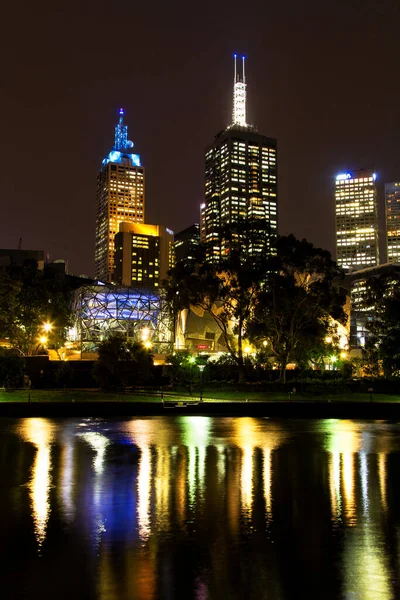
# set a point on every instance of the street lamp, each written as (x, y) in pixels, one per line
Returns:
(47, 327)
(201, 369)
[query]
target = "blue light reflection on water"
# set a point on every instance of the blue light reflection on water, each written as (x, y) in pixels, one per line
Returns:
(205, 507)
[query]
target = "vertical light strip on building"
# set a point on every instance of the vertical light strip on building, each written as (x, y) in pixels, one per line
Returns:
(392, 206)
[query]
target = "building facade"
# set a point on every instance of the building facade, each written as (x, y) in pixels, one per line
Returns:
(120, 197)
(143, 254)
(392, 205)
(356, 220)
(240, 184)
(187, 245)
(361, 315)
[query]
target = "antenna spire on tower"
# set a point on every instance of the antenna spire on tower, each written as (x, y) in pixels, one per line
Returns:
(239, 95)
(121, 132)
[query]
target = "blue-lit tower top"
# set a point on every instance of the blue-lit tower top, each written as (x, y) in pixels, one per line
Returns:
(122, 146)
(121, 133)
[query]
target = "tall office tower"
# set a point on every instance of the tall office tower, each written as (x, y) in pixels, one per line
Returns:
(240, 183)
(392, 204)
(187, 245)
(143, 254)
(356, 220)
(120, 197)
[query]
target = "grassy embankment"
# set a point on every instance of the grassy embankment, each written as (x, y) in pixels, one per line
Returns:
(208, 396)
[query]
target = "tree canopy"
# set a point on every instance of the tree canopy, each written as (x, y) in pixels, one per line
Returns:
(288, 300)
(29, 298)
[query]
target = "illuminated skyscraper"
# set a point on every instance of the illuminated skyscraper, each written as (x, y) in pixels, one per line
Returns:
(356, 220)
(120, 197)
(240, 182)
(392, 203)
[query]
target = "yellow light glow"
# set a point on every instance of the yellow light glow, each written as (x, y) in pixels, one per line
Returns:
(43, 339)
(247, 349)
(343, 355)
(47, 326)
(328, 339)
(147, 344)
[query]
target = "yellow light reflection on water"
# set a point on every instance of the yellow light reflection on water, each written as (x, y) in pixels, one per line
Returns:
(348, 471)
(39, 432)
(267, 482)
(366, 564)
(162, 485)
(144, 492)
(334, 485)
(382, 479)
(246, 480)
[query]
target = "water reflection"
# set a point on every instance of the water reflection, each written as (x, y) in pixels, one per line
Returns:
(39, 432)
(201, 507)
(355, 474)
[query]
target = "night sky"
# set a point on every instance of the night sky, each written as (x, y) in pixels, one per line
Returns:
(323, 78)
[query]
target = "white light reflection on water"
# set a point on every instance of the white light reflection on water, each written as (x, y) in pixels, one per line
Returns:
(39, 432)
(99, 443)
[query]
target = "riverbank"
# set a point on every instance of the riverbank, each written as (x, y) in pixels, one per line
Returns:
(209, 396)
(281, 409)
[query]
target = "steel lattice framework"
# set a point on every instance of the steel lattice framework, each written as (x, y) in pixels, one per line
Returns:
(104, 310)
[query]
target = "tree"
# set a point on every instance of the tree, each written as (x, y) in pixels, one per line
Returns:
(11, 368)
(28, 299)
(295, 308)
(122, 363)
(227, 291)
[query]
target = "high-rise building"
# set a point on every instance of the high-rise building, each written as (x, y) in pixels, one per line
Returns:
(187, 245)
(392, 204)
(143, 254)
(240, 183)
(356, 220)
(120, 197)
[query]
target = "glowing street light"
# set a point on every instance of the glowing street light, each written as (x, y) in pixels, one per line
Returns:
(43, 340)
(201, 368)
(47, 326)
(147, 344)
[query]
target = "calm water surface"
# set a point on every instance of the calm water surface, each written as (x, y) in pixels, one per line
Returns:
(199, 508)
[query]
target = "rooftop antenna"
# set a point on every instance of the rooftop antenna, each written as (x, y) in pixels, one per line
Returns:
(121, 132)
(239, 95)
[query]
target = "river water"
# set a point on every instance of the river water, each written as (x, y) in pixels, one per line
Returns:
(199, 508)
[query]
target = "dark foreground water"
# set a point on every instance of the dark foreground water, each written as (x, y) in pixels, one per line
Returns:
(198, 507)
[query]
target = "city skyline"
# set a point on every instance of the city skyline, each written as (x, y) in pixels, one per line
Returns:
(316, 84)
